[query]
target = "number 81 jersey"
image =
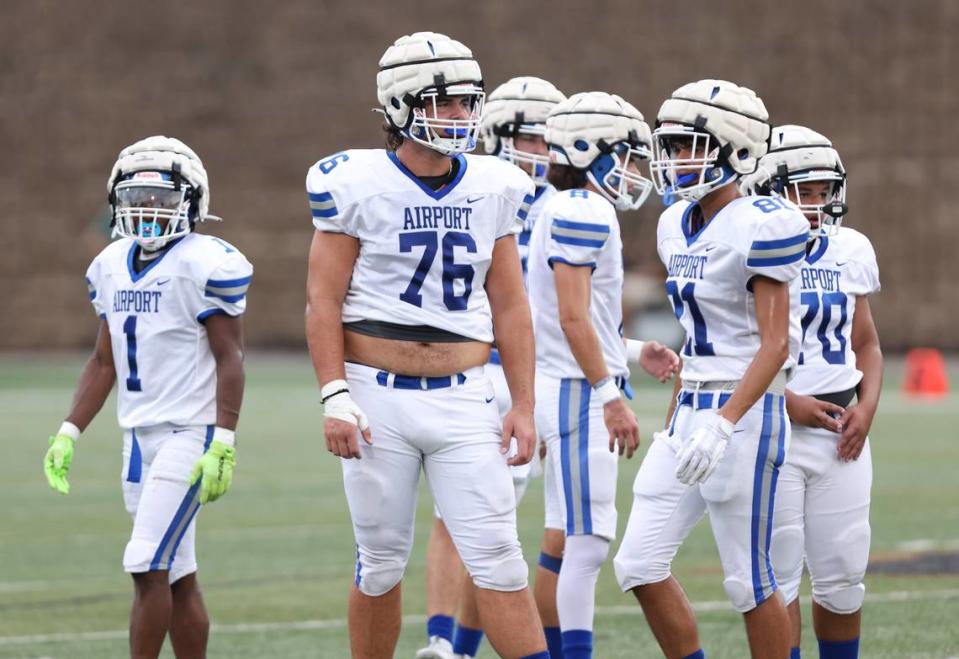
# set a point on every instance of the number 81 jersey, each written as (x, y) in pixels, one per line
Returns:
(836, 272)
(709, 279)
(166, 372)
(424, 254)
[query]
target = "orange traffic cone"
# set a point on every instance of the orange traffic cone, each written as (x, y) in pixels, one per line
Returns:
(925, 375)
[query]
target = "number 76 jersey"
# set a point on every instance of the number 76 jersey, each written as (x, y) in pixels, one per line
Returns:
(423, 254)
(709, 277)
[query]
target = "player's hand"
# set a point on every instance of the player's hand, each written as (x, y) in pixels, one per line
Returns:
(659, 361)
(622, 426)
(56, 463)
(814, 413)
(854, 426)
(519, 423)
(702, 452)
(343, 418)
(216, 468)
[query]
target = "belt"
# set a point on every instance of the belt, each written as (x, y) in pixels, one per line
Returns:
(624, 386)
(777, 386)
(840, 398)
(395, 381)
(702, 400)
(494, 357)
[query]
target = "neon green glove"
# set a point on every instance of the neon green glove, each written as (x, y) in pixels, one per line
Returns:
(216, 468)
(56, 463)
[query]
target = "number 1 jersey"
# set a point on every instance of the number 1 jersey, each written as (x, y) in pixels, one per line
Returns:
(166, 372)
(424, 254)
(709, 277)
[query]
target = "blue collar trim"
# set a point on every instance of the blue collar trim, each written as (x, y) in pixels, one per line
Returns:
(131, 255)
(435, 194)
(691, 238)
(819, 250)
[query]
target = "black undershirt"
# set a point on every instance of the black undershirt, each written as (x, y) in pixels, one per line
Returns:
(437, 182)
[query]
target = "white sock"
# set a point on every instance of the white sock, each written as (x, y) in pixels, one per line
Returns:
(576, 588)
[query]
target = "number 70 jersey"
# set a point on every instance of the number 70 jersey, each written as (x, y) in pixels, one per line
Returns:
(709, 277)
(837, 271)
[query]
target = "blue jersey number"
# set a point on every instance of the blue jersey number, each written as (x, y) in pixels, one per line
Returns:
(698, 343)
(769, 204)
(130, 329)
(326, 166)
(812, 300)
(451, 270)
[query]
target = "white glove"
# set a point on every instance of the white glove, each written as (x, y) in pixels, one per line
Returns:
(701, 453)
(337, 404)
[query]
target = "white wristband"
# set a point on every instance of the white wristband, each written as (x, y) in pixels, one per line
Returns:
(332, 388)
(725, 426)
(634, 350)
(606, 390)
(224, 436)
(70, 430)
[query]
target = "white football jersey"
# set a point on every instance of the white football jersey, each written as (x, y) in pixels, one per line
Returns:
(708, 277)
(540, 197)
(424, 254)
(839, 269)
(166, 372)
(580, 228)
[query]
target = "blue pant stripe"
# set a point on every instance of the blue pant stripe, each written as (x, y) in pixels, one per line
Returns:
(159, 561)
(758, 474)
(584, 456)
(780, 403)
(135, 468)
(564, 452)
(196, 503)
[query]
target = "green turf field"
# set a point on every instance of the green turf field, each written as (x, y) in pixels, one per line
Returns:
(276, 554)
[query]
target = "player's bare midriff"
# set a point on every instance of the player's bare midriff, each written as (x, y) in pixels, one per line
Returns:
(412, 357)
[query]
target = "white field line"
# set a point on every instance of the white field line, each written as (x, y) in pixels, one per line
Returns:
(340, 623)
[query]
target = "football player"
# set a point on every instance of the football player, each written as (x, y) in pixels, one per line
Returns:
(730, 262)
(597, 142)
(513, 125)
(822, 500)
(413, 267)
(170, 303)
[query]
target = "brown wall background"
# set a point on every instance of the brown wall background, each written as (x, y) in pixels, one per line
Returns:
(261, 90)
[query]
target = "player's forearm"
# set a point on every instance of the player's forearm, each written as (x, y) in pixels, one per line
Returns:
(324, 336)
(584, 344)
(762, 370)
(513, 327)
(869, 361)
(93, 387)
(230, 381)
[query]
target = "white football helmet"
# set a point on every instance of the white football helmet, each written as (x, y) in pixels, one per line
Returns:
(608, 138)
(519, 107)
(799, 155)
(158, 178)
(417, 70)
(720, 129)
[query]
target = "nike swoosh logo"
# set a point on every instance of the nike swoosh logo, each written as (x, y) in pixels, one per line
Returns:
(181, 429)
(839, 264)
(474, 200)
(160, 283)
(490, 399)
(735, 431)
(710, 248)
